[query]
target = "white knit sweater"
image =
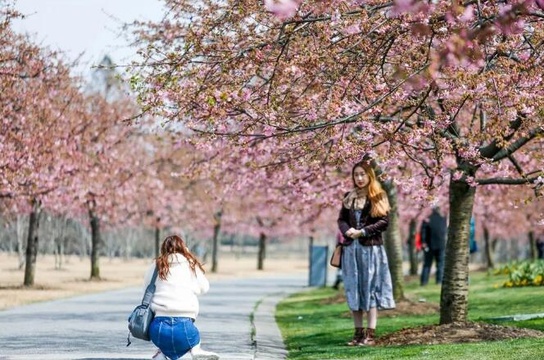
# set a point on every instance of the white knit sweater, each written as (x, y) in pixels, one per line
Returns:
(177, 295)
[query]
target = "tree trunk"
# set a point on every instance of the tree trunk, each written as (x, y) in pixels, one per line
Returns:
(62, 255)
(157, 238)
(393, 243)
(532, 245)
(262, 251)
(58, 252)
(32, 243)
(412, 251)
(454, 294)
(488, 250)
(96, 241)
(215, 244)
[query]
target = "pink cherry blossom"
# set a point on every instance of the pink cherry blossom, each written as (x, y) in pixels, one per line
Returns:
(283, 9)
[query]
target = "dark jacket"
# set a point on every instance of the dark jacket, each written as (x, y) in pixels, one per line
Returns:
(434, 231)
(373, 226)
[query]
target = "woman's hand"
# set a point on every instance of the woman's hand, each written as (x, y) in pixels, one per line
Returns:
(354, 233)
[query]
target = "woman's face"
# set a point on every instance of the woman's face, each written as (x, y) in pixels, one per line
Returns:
(360, 177)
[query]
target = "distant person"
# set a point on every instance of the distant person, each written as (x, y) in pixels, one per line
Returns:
(200, 251)
(180, 279)
(365, 270)
(540, 246)
(473, 245)
(433, 241)
(338, 281)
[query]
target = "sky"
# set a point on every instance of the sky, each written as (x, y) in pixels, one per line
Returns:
(91, 28)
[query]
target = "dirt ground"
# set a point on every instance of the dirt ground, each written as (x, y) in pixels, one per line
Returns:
(73, 277)
(456, 333)
(442, 334)
(450, 333)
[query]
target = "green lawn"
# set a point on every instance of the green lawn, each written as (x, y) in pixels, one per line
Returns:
(315, 328)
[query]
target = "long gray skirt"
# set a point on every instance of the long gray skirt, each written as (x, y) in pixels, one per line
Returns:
(367, 281)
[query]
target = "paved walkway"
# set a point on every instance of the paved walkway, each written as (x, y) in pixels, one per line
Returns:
(236, 320)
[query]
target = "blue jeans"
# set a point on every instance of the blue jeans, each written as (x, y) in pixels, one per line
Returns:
(175, 336)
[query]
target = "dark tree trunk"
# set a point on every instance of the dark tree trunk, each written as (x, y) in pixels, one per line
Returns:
(454, 295)
(157, 238)
(32, 243)
(96, 241)
(393, 243)
(532, 245)
(262, 251)
(215, 244)
(412, 251)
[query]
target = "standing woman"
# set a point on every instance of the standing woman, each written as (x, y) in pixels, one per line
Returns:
(365, 269)
(175, 304)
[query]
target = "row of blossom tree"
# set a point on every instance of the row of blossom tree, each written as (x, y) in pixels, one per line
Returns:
(67, 148)
(87, 151)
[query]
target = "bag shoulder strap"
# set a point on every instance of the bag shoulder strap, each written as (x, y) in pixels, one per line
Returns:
(150, 289)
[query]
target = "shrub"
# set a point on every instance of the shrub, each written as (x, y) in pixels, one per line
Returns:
(523, 273)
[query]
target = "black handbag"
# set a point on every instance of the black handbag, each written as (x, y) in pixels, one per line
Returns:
(142, 316)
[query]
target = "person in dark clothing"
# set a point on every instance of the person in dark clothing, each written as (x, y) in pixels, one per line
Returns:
(433, 240)
(540, 246)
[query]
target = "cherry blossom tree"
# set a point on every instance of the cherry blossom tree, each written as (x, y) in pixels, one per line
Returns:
(40, 108)
(451, 87)
(61, 148)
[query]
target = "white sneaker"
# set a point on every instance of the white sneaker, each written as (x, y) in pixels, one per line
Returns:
(159, 356)
(199, 354)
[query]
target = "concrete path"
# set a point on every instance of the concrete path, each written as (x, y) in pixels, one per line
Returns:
(236, 320)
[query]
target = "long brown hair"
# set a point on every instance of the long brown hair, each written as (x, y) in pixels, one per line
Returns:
(376, 194)
(174, 244)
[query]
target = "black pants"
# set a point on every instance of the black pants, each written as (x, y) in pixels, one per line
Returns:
(428, 257)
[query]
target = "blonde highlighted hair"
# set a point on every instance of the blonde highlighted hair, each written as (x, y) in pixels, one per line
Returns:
(377, 196)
